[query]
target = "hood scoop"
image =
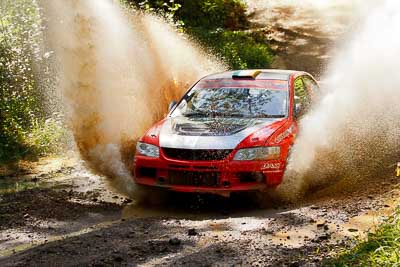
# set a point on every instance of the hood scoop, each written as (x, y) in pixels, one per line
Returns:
(211, 126)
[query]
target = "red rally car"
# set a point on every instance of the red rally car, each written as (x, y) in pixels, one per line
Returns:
(230, 132)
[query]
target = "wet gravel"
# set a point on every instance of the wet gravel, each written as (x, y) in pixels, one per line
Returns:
(31, 207)
(58, 224)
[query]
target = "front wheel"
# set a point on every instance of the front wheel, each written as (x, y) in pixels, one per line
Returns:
(267, 199)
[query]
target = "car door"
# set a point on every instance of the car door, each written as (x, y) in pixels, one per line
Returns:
(302, 98)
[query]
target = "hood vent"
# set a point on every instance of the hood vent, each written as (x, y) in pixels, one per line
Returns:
(211, 127)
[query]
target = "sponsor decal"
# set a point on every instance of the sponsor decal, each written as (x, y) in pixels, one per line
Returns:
(271, 166)
(283, 135)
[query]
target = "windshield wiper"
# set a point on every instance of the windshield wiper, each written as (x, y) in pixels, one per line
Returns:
(236, 115)
(196, 114)
(225, 115)
(269, 116)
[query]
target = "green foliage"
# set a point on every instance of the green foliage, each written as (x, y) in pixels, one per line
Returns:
(22, 61)
(212, 14)
(167, 9)
(217, 25)
(46, 136)
(381, 248)
(239, 49)
(208, 14)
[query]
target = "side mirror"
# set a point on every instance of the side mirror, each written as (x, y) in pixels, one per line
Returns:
(298, 109)
(171, 105)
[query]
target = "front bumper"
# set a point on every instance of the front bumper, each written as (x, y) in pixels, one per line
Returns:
(216, 177)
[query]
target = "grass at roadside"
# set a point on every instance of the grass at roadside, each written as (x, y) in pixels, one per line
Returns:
(381, 248)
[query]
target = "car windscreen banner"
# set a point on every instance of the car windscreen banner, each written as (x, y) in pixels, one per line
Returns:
(230, 83)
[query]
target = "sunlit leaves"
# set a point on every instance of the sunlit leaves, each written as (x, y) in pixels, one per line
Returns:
(22, 62)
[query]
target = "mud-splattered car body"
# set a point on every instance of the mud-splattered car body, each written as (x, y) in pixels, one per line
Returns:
(231, 132)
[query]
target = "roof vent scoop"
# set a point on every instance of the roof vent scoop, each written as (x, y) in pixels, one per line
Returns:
(246, 74)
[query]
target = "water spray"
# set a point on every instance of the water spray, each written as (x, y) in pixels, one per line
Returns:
(353, 132)
(118, 70)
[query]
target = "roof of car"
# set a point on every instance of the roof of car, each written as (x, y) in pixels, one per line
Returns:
(263, 74)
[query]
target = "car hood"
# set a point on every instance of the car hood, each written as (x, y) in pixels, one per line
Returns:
(210, 133)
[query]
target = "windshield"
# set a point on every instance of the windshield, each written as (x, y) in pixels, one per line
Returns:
(234, 102)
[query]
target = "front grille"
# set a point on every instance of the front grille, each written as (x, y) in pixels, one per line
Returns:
(193, 178)
(196, 154)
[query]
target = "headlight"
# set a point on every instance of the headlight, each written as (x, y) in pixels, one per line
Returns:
(147, 150)
(258, 153)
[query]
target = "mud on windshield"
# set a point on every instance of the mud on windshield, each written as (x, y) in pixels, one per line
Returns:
(234, 101)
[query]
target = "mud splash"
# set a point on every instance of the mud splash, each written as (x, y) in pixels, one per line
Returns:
(118, 71)
(354, 131)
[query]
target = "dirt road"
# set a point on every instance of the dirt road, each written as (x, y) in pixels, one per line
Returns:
(56, 213)
(61, 215)
(303, 34)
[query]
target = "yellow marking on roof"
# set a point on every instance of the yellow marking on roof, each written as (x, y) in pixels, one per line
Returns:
(247, 73)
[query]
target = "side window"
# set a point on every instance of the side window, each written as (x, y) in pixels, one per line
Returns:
(301, 97)
(311, 86)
